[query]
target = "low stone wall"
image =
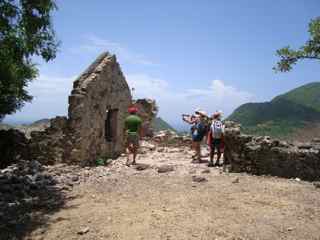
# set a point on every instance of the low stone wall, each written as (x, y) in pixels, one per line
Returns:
(13, 147)
(51, 145)
(266, 156)
(48, 146)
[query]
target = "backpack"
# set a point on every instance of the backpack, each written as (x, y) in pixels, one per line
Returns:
(217, 129)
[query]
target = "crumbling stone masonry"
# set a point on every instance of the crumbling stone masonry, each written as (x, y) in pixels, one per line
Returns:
(97, 109)
(13, 147)
(94, 127)
(147, 110)
(51, 145)
(98, 106)
(266, 156)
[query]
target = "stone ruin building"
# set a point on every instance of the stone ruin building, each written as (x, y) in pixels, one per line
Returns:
(94, 128)
(97, 109)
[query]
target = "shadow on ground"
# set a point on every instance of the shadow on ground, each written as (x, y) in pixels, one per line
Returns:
(28, 196)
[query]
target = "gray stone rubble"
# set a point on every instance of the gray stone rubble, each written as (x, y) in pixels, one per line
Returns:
(262, 155)
(27, 188)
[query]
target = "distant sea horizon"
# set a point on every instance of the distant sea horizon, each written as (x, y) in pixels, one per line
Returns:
(180, 127)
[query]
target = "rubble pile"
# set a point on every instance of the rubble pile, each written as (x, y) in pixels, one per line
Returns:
(169, 137)
(29, 190)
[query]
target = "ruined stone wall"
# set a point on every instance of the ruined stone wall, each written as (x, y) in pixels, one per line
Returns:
(100, 88)
(266, 156)
(147, 110)
(13, 147)
(79, 138)
(51, 145)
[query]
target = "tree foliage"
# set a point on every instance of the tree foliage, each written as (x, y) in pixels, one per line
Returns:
(311, 49)
(25, 31)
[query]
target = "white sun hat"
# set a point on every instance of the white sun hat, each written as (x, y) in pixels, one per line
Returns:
(201, 112)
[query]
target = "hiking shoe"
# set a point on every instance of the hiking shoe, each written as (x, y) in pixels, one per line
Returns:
(210, 164)
(196, 160)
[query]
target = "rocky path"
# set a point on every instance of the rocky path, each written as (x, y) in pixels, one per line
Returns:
(165, 197)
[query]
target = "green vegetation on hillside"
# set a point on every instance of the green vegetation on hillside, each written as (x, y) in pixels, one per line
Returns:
(159, 124)
(307, 95)
(283, 115)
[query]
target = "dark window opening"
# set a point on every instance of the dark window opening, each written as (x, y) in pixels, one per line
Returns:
(111, 125)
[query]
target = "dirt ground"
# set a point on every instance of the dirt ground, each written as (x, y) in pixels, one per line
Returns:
(120, 202)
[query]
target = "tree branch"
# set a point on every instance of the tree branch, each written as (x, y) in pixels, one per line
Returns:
(308, 57)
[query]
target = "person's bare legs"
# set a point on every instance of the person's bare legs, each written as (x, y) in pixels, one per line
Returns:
(199, 151)
(194, 149)
(211, 156)
(197, 156)
(218, 158)
(192, 145)
(218, 155)
(131, 150)
(128, 159)
(134, 152)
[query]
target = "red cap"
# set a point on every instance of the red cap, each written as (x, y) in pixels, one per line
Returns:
(132, 110)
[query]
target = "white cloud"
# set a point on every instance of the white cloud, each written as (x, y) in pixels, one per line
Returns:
(220, 92)
(51, 86)
(172, 103)
(95, 44)
(50, 98)
(146, 86)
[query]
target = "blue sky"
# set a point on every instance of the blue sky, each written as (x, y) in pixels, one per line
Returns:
(185, 54)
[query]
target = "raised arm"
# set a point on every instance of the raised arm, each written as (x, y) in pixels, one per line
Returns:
(188, 119)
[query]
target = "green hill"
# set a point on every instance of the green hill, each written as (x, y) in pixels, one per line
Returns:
(159, 124)
(282, 116)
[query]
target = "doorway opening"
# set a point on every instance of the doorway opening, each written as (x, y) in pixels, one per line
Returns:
(111, 124)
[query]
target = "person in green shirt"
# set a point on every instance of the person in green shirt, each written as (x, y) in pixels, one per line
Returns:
(133, 132)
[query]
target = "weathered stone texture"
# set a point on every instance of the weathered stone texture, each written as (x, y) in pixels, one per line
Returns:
(50, 146)
(147, 110)
(266, 156)
(13, 147)
(80, 138)
(100, 88)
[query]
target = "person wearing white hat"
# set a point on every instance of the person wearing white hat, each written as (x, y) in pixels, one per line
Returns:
(197, 132)
(201, 112)
(198, 135)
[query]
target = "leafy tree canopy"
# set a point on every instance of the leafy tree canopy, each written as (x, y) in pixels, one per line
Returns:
(25, 31)
(311, 49)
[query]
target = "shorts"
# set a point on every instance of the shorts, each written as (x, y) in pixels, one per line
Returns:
(216, 144)
(197, 137)
(133, 139)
